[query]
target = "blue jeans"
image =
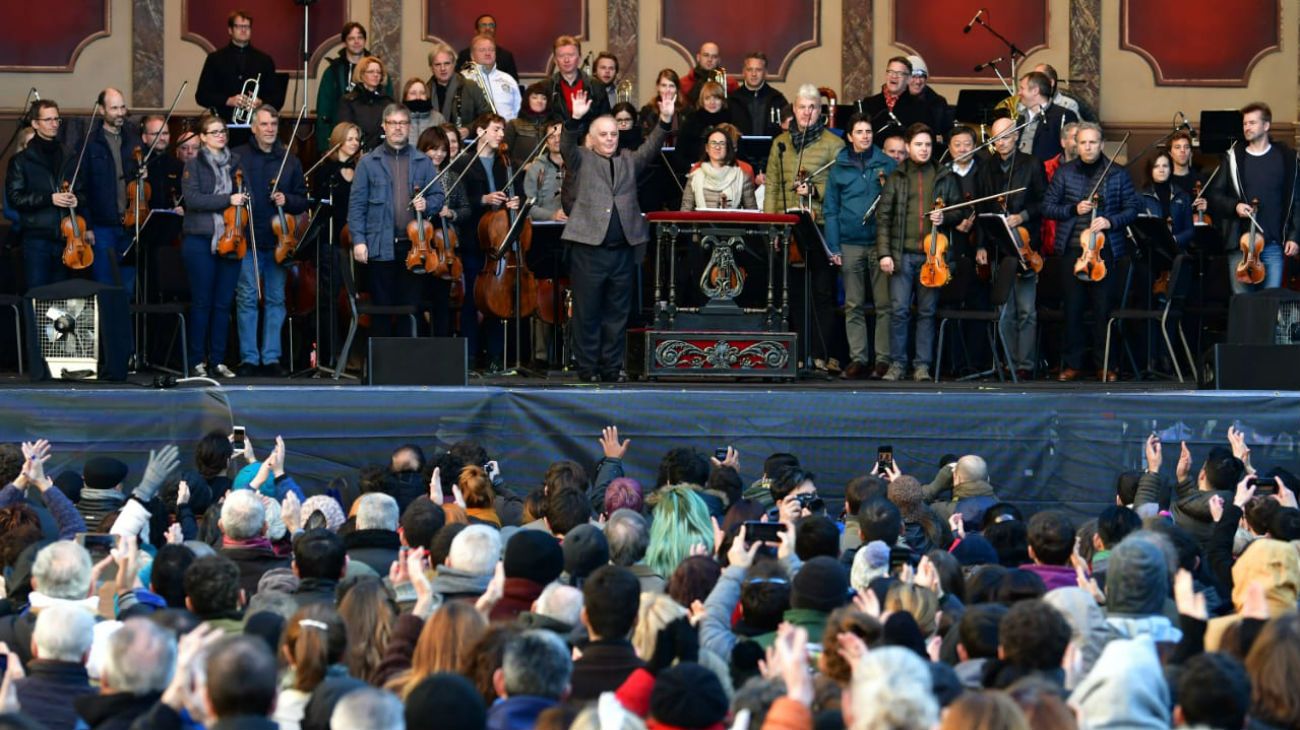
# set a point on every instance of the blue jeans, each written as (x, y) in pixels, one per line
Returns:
(272, 303)
(906, 278)
(42, 262)
(212, 291)
(1019, 325)
(1273, 261)
(110, 243)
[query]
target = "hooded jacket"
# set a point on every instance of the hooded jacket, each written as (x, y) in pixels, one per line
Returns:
(1277, 565)
(1126, 689)
(1137, 584)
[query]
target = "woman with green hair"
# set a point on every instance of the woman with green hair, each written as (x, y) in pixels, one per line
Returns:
(681, 521)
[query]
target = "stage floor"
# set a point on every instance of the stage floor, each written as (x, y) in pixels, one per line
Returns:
(1046, 443)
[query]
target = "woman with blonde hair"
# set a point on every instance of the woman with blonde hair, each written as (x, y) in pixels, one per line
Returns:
(370, 613)
(658, 612)
(420, 649)
(364, 105)
(988, 710)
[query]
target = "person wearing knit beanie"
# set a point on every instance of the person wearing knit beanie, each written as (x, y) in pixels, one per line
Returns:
(448, 698)
(532, 560)
(585, 549)
(687, 696)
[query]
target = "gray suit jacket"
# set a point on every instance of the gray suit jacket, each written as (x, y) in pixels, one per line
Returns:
(596, 194)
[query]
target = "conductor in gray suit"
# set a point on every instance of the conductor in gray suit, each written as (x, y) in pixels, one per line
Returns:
(606, 233)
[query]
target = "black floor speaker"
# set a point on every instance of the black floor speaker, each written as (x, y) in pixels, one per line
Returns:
(1252, 367)
(417, 361)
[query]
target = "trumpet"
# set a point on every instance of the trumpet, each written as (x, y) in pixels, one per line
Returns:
(623, 92)
(244, 112)
(473, 72)
(720, 78)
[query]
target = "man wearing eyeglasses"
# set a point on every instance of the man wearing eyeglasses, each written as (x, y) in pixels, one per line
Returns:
(381, 205)
(32, 188)
(894, 109)
(221, 83)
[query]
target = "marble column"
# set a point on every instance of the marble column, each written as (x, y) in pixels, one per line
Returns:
(1085, 51)
(623, 17)
(855, 52)
(147, 54)
(385, 37)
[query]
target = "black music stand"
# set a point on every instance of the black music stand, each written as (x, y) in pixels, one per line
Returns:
(1153, 243)
(811, 243)
(993, 227)
(755, 149)
(1219, 129)
(977, 106)
(548, 258)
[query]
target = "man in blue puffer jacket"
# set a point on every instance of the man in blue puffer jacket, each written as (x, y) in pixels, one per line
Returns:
(855, 183)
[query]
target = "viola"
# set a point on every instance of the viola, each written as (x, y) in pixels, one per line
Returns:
(935, 272)
(1031, 258)
(421, 258)
(233, 243)
(137, 200)
(285, 228)
(1199, 218)
(77, 254)
(1090, 266)
(1250, 270)
(445, 241)
(494, 289)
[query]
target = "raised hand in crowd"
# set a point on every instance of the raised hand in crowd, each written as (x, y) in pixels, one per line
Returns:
(1183, 470)
(610, 446)
(732, 459)
(1237, 440)
(127, 558)
(162, 463)
(291, 513)
(187, 681)
(35, 455)
(1153, 454)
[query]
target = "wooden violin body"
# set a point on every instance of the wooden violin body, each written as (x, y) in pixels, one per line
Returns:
(1090, 266)
(1250, 270)
(77, 254)
(1032, 259)
(935, 272)
(233, 243)
(445, 242)
(285, 228)
(1199, 218)
(421, 259)
(137, 202)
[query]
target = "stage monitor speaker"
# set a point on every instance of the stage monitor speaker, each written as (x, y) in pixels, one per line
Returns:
(417, 361)
(1219, 129)
(1252, 367)
(1267, 317)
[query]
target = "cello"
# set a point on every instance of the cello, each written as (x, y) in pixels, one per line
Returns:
(505, 273)
(233, 244)
(1250, 270)
(935, 272)
(77, 254)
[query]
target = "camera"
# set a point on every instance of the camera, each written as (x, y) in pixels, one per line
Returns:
(811, 502)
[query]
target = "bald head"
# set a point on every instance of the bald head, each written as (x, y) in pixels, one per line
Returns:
(709, 56)
(1006, 145)
(114, 109)
(603, 136)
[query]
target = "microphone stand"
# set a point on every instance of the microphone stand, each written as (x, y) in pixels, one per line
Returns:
(1013, 51)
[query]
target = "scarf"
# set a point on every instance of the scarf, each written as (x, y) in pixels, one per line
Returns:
(809, 135)
(726, 181)
(220, 164)
(255, 543)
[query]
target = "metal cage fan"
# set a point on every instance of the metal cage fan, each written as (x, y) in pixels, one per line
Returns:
(70, 342)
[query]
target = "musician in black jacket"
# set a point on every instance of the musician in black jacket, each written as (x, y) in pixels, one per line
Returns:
(32, 188)
(225, 70)
(569, 79)
(1007, 170)
(162, 223)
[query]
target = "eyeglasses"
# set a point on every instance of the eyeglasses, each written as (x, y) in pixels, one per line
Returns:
(242, 26)
(51, 120)
(216, 132)
(717, 145)
(895, 74)
(396, 123)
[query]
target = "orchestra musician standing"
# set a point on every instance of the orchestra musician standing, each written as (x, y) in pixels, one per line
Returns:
(1067, 202)
(108, 166)
(756, 106)
(500, 88)
(708, 61)
(1041, 137)
(806, 148)
(433, 143)
(332, 182)
(853, 190)
(1262, 170)
(381, 204)
(1006, 170)
(162, 224)
(905, 217)
(606, 232)
(221, 86)
(569, 78)
(32, 187)
(486, 25)
(364, 106)
(338, 79)
(459, 100)
(894, 109)
(1069, 151)
(209, 187)
(605, 69)
(933, 106)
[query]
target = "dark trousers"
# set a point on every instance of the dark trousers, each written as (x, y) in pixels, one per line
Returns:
(42, 261)
(392, 283)
(486, 335)
(604, 280)
(212, 294)
(823, 280)
(1081, 296)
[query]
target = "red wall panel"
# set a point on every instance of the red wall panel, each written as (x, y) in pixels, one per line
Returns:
(780, 28)
(1201, 42)
(933, 30)
(50, 37)
(527, 27)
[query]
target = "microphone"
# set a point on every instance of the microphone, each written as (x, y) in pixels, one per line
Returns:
(780, 148)
(895, 119)
(1186, 125)
(36, 93)
(987, 64)
(973, 21)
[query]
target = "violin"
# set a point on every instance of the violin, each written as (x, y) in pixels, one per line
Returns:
(935, 272)
(1090, 266)
(445, 241)
(421, 259)
(1028, 256)
(1199, 217)
(1250, 270)
(137, 202)
(494, 290)
(1160, 287)
(796, 254)
(233, 243)
(77, 254)
(285, 228)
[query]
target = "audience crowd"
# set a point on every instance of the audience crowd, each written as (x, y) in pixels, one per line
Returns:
(430, 593)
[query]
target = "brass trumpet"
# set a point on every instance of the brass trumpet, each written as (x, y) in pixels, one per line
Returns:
(244, 112)
(473, 72)
(720, 78)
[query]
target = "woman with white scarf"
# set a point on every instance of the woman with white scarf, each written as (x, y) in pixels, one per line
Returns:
(718, 181)
(208, 186)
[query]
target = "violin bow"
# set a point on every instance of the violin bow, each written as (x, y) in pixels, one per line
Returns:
(90, 127)
(288, 147)
(1106, 170)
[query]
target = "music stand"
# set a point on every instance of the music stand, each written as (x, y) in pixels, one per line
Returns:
(546, 258)
(1151, 238)
(811, 243)
(994, 227)
(755, 149)
(977, 106)
(1219, 129)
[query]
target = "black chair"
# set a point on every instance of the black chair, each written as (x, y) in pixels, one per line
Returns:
(173, 291)
(344, 261)
(1004, 279)
(1170, 314)
(15, 302)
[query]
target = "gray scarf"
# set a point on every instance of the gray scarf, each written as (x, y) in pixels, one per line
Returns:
(220, 164)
